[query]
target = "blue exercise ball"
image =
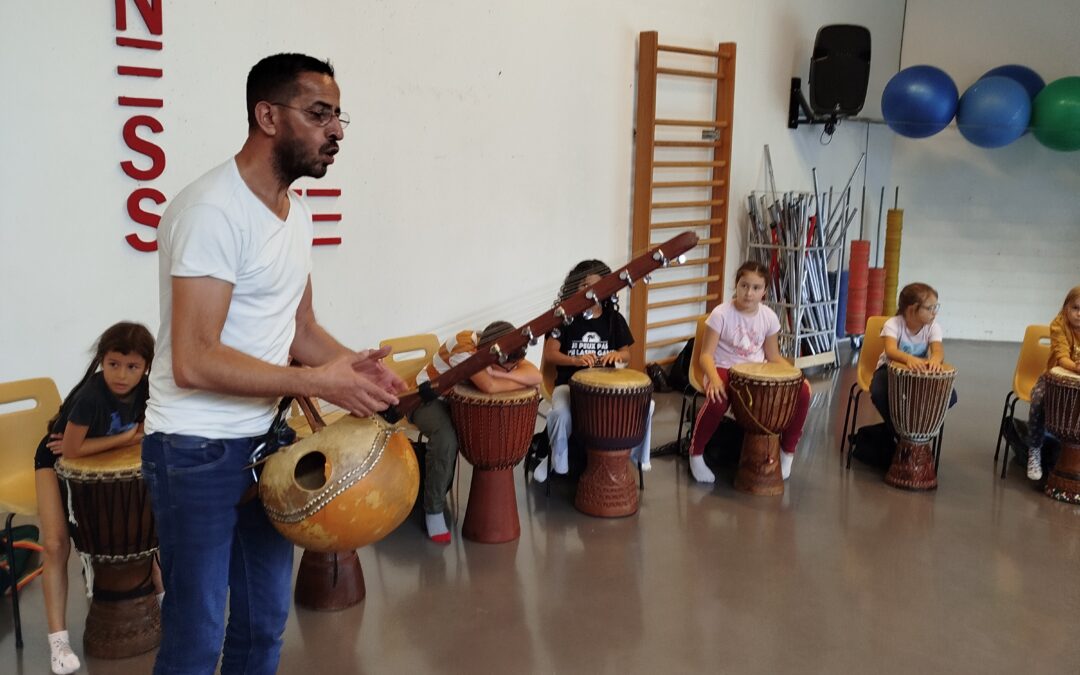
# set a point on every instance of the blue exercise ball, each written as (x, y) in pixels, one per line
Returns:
(1028, 78)
(993, 112)
(919, 101)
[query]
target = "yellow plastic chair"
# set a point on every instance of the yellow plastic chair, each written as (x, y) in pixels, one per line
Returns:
(20, 433)
(872, 347)
(697, 380)
(1034, 353)
(404, 362)
(547, 372)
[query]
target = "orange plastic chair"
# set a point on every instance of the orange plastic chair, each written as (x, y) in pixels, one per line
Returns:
(872, 347)
(20, 433)
(411, 354)
(1034, 353)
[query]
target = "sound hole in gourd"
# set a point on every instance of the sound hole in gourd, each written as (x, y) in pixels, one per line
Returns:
(310, 472)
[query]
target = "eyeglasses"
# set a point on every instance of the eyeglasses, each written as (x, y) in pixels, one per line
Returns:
(322, 116)
(933, 309)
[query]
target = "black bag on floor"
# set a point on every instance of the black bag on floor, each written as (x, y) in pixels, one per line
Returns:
(874, 446)
(724, 447)
(678, 377)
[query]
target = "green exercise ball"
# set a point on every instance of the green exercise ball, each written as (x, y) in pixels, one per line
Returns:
(1055, 115)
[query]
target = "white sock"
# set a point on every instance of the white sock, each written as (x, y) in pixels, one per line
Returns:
(786, 460)
(436, 524)
(541, 471)
(561, 464)
(63, 658)
(701, 472)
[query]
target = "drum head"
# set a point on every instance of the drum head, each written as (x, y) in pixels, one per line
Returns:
(121, 461)
(467, 392)
(904, 368)
(781, 372)
(612, 378)
(1065, 377)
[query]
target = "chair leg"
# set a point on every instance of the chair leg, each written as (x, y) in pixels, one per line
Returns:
(854, 423)
(1011, 416)
(937, 448)
(682, 418)
(641, 478)
(847, 414)
(9, 542)
(1001, 427)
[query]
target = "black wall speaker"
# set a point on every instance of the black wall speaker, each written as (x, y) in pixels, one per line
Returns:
(840, 69)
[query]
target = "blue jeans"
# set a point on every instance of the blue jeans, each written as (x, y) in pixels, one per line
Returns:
(211, 551)
(560, 425)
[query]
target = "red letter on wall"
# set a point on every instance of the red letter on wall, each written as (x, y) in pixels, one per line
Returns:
(136, 212)
(148, 148)
(150, 10)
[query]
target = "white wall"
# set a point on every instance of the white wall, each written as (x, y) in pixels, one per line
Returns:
(490, 149)
(996, 231)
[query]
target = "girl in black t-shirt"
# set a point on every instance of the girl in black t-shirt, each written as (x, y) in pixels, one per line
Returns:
(103, 411)
(600, 337)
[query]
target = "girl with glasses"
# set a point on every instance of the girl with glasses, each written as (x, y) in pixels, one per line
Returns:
(913, 338)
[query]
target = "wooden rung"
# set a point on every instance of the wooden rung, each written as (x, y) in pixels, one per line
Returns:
(703, 74)
(667, 343)
(686, 223)
(681, 301)
(710, 240)
(683, 282)
(687, 205)
(695, 261)
(687, 144)
(687, 50)
(666, 360)
(711, 124)
(686, 184)
(673, 322)
(687, 165)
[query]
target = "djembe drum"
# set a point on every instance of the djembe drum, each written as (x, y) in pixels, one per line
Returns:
(346, 486)
(494, 432)
(763, 398)
(1062, 409)
(610, 412)
(918, 400)
(114, 534)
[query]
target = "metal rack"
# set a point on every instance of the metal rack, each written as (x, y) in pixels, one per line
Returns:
(786, 238)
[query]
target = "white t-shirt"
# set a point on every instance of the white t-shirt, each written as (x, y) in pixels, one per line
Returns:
(917, 344)
(742, 336)
(217, 227)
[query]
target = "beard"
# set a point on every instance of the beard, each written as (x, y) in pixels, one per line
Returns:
(291, 160)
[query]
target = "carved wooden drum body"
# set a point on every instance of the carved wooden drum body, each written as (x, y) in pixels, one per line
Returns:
(763, 398)
(918, 401)
(114, 532)
(610, 412)
(1062, 410)
(494, 432)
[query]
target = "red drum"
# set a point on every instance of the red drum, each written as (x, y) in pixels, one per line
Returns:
(114, 533)
(494, 432)
(763, 399)
(610, 412)
(918, 401)
(1062, 409)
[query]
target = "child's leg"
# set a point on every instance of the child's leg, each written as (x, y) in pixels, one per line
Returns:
(1036, 429)
(789, 439)
(434, 421)
(559, 426)
(57, 547)
(708, 420)
(879, 394)
(642, 453)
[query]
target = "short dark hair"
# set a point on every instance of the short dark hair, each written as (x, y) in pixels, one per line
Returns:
(752, 267)
(494, 331)
(913, 294)
(274, 79)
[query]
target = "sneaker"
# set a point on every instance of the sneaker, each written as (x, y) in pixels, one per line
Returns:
(1034, 468)
(786, 460)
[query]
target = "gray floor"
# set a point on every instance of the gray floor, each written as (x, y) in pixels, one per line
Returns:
(841, 574)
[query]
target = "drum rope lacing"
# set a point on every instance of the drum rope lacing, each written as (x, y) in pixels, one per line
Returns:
(335, 489)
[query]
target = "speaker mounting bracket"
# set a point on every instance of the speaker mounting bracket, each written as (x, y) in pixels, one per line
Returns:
(799, 111)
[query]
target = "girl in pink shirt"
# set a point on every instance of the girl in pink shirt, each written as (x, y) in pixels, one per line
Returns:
(739, 331)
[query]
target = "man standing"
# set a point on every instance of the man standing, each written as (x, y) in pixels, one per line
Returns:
(236, 303)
